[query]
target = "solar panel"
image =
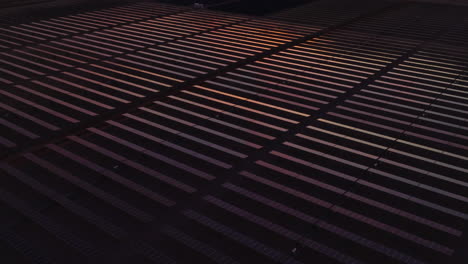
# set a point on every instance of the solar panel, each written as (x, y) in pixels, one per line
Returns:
(153, 133)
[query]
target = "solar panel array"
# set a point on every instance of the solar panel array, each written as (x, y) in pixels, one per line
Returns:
(151, 133)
